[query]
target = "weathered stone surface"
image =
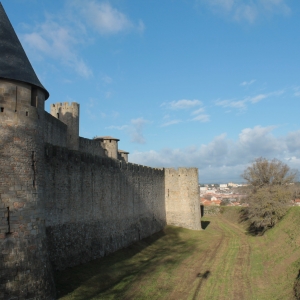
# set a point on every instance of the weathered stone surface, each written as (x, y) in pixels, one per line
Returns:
(25, 270)
(182, 198)
(95, 208)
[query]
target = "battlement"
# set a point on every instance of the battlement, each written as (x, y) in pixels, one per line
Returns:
(66, 105)
(77, 157)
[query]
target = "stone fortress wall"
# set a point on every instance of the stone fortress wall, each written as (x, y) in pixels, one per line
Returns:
(64, 199)
(97, 205)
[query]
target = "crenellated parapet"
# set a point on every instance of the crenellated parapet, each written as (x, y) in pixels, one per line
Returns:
(64, 154)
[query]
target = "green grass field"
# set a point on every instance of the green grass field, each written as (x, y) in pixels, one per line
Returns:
(220, 262)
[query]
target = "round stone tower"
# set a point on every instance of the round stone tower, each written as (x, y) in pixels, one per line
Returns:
(25, 271)
(110, 144)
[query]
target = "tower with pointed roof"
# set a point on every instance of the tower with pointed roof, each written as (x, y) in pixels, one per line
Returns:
(25, 268)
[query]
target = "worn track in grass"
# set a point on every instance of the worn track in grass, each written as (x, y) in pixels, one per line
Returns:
(221, 262)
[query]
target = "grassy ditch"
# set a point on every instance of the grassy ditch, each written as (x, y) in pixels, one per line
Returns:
(220, 262)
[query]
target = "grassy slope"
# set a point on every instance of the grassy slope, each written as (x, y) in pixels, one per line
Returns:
(278, 254)
(221, 262)
(274, 257)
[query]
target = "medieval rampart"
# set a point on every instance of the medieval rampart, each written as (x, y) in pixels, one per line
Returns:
(97, 205)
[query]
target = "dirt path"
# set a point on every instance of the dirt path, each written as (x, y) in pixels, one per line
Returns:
(228, 265)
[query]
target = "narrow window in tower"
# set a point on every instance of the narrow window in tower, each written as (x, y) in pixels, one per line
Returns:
(26, 113)
(33, 165)
(8, 221)
(16, 106)
(57, 115)
(2, 109)
(34, 97)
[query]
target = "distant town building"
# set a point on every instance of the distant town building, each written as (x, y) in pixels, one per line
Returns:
(231, 184)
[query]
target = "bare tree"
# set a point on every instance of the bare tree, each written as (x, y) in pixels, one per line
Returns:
(267, 173)
(269, 193)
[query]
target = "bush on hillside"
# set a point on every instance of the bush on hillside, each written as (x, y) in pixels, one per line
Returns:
(267, 206)
(297, 287)
(269, 193)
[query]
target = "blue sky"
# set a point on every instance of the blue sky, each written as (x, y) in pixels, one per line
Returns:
(211, 84)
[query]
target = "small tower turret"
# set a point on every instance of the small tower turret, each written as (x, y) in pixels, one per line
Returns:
(110, 144)
(123, 155)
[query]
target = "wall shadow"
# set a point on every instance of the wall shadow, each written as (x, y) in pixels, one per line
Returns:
(204, 224)
(124, 267)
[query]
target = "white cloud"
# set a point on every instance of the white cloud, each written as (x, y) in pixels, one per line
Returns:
(247, 83)
(224, 159)
(243, 104)
(202, 118)
(122, 127)
(248, 11)
(141, 26)
(106, 79)
(103, 17)
(173, 122)
(136, 130)
(61, 35)
(198, 111)
(59, 42)
(182, 104)
(293, 141)
(296, 91)
(258, 98)
(186, 104)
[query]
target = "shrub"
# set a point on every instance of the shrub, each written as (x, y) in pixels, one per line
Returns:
(269, 193)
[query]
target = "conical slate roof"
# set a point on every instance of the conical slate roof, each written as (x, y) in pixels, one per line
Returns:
(14, 63)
